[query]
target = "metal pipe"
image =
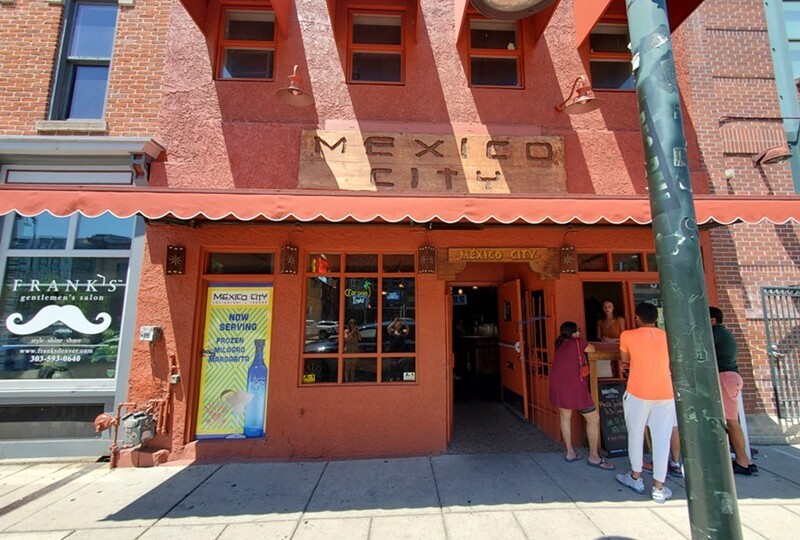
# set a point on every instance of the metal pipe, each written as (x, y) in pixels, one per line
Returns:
(713, 509)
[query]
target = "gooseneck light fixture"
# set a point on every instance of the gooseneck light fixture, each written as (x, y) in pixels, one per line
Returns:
(294, 94)
(772, 155)
(510, 9)
(585, 100)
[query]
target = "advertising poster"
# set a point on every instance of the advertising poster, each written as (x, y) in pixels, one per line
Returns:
(235, 367)
(61, 317)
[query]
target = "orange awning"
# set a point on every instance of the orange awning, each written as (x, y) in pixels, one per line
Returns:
(364, 207)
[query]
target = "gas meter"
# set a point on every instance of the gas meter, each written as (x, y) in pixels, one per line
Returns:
(138, 427)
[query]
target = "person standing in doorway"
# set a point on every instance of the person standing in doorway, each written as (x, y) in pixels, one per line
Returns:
(648, 401)
(569, 391)
(611, 324)
(730, 382)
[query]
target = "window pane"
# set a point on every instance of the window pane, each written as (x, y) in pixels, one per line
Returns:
(611, 75)
(398, 263)
(376, 67)
(362, 263)
(609, 38)
(650, 293)
(104, 232)
(62, 317)
(627, 262)
(44, 231)
(493, 71)
(360, 370)
(493, 35)
(73, 421)
(652, 262)
(399, 370)
(88, 96)
(361, 306)
(248, 64)
(322, 263)
(241, 263)
(398, 315)
(592, 262)
(322, 315)
(250, 25)
(377, 29)
(320, 370)
(93, 34)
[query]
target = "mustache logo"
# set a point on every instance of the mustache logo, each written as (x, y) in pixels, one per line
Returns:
(71, 316)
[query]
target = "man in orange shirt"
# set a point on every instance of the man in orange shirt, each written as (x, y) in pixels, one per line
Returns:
(648, 401)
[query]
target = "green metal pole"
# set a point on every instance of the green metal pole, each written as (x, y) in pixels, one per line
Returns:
(713, 510)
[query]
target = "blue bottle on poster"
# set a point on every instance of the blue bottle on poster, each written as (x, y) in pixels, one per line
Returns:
(257, 387)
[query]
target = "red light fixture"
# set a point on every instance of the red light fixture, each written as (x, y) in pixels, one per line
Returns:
(772, 155)
(585, 100)
(294, 94)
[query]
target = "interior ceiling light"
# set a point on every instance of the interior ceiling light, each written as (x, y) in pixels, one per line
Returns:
(772, 155)
(510, 9)
(585, 100)
(294, 94)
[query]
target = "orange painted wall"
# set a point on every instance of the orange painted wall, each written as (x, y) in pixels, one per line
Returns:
(332, 421)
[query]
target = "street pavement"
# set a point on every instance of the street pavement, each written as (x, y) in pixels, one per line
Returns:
(502, 496)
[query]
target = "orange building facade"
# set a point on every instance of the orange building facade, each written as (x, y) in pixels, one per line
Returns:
(427, 178)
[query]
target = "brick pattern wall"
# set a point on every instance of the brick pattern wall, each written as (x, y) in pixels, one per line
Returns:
(732, 105)
(29, 37)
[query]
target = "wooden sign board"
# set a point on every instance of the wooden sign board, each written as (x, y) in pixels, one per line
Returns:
(431, 163)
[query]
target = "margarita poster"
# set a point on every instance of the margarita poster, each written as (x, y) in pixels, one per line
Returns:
(236, 342)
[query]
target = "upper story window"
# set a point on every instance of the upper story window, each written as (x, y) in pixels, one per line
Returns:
(81, 78)
(791, 18)
(610, 57)
(246, 44)
(495, 53)
(375, 47)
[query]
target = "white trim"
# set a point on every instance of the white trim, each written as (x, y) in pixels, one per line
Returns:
(66, 174)
(12, 147)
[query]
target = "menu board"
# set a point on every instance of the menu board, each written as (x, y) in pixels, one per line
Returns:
(613, 433)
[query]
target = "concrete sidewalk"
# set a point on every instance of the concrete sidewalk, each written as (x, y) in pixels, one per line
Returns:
(447, 497)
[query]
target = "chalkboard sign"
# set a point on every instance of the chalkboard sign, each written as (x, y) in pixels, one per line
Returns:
(613, 433)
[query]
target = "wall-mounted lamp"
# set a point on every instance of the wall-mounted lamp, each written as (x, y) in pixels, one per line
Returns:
(510, 9)
(176, 260)
(427, 260)
(772, 155)
(585, 100)
(294, 94)
(289, 259)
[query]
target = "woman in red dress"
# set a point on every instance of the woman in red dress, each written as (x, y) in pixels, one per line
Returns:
(569, 391)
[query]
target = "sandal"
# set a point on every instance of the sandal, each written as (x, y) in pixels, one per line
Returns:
(602, 464)
(577, 457)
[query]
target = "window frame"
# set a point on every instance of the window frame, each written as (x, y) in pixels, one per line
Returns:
(353, 48)
(608, 57)
(62, 88)
(224, 44)
(517, 54)
(342, 275)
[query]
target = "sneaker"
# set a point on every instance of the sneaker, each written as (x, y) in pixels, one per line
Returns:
(753, 469)
(675, 469)
(744, 471)
(636, 484)
(647, 467)
(661, 495)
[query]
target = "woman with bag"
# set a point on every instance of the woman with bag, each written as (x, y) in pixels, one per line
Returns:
(569, 391)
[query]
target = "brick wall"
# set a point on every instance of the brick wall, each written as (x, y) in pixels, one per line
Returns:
(29, 36)
(731, 99)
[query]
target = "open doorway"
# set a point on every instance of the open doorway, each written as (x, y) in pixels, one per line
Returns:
(482, 421)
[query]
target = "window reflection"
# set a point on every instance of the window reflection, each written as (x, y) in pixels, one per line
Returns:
(44, 231)
(104, 232)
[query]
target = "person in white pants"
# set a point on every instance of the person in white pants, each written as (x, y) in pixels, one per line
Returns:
(648, 401)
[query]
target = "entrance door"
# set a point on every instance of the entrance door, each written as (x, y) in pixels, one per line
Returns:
(512, 359)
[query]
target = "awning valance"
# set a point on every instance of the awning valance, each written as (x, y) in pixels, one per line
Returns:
(364, 207)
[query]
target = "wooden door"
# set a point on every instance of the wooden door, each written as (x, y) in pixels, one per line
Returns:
(513, 376)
